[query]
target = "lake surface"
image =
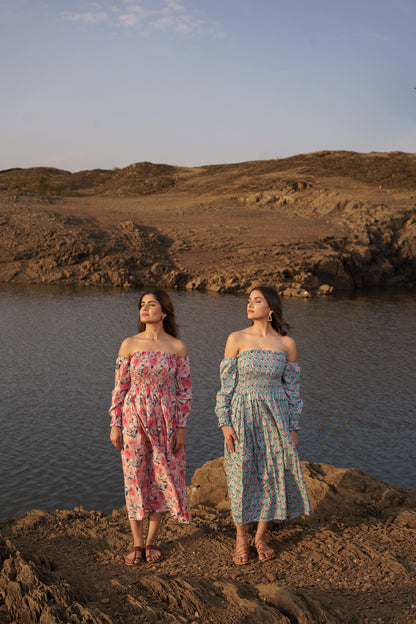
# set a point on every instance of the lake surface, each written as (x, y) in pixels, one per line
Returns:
(58, 348)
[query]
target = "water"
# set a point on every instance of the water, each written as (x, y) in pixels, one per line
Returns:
(58, 347)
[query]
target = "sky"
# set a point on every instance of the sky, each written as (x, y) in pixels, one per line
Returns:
(108, 83)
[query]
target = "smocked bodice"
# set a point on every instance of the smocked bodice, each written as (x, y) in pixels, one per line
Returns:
(152, 372)
(260, 370)
(148, 377)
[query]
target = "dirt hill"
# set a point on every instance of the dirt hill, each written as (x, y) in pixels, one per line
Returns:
(311, 223)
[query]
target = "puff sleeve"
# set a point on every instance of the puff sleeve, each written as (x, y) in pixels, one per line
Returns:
(291, 384)
(183, 387)
(121, 387)
(228, 376)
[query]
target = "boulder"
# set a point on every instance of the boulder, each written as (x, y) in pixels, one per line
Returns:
(325, 289)
(334, 492)
(209, 485)
(332, 271)
(296, 292)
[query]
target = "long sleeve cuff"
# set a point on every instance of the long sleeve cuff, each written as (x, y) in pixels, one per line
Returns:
(121, 387)
(228, 376)
(291, 382)
(183, 390)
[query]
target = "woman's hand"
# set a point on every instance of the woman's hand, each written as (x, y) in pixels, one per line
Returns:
(294, 435)
(230, 437)
(116, 438)
(178, 440)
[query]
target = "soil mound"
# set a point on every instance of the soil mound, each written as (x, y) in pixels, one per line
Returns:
(142, 179)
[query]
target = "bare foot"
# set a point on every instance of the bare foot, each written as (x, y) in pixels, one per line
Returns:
(134, 556)
(241, 554)
(264, 551)
(153, 553)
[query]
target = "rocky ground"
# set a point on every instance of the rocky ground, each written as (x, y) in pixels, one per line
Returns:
(352, 561)
(312, 223)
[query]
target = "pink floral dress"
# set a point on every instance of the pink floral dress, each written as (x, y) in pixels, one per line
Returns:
(150, 400)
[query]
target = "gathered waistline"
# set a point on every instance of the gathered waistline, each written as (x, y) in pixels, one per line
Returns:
(141, 389)
(267, 388)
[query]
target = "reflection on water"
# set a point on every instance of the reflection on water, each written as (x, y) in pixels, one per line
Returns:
(58, 347)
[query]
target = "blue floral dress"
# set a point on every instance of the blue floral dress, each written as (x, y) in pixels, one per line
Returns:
(260, 399)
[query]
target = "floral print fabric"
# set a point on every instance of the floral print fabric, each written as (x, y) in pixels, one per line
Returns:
(151, 399)
(260, 399)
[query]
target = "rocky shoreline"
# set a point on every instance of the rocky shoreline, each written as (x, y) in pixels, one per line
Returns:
(352, 561)
(310, 224)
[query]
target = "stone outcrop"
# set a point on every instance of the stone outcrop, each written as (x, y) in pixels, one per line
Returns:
(43, 247)
(334, 492)
(352, 561)
(27, 596)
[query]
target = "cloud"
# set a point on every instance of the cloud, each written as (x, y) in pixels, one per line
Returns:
(86, 18)
(173, 15)
(185, 24)
(147, 16)
(134, 15)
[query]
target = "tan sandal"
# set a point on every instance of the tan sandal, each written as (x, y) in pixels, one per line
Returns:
(138, 550)
(264, 551)
(241, 554)
(156, 549)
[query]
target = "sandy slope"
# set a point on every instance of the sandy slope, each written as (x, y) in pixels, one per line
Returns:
(336, 218)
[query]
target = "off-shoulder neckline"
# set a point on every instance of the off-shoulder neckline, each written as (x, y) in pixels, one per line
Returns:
(263, 351)
(179, 357)
(257, 350)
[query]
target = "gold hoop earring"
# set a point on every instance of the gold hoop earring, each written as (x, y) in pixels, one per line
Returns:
(270, 316)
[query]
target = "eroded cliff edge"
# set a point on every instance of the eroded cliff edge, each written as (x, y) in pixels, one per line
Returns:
(353, 561)
(310, 223)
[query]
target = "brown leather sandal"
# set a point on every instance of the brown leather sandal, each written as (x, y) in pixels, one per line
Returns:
(264, 551)
(138, 550)
(241, 554)
(149, 548)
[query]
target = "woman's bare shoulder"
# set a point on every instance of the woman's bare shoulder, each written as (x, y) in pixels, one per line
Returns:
(239, 333)
(179, 347)
(290, 347)
(234, 342)
(128, 346)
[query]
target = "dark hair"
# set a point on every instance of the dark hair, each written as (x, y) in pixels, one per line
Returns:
(275, 303)
(169, 323)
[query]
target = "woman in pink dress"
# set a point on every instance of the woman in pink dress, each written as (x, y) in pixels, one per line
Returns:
(150, 405)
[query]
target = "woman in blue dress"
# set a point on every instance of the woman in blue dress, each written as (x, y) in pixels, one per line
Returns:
(258, 409)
